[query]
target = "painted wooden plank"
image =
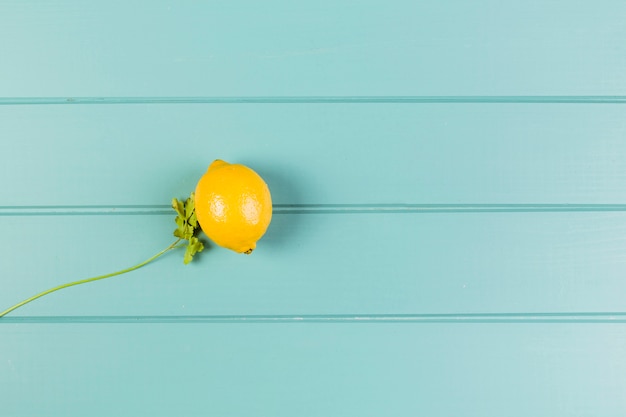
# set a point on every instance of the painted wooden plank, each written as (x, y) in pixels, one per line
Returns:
(317, 153)
(161, 48)
(313, 370)
(321, 264)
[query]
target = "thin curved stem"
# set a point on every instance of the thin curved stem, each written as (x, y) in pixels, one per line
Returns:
(84, 281)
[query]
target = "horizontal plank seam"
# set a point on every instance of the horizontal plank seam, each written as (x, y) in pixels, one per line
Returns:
(589, 99)
(579, 317)
(163, 209)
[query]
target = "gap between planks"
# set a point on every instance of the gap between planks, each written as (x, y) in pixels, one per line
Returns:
(318, 209)
(314, 100)
(486, 318)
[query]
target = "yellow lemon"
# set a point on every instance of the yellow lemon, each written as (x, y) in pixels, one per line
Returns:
(233, 206)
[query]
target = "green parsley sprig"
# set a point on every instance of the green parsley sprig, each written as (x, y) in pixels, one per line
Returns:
(188, 226)
(187, 229)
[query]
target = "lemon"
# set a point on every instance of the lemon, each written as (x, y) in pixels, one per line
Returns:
(233, 206)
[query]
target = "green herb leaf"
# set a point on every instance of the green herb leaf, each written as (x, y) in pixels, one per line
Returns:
(187, 226)
(194, 246)
(190, 206)
(178, 206)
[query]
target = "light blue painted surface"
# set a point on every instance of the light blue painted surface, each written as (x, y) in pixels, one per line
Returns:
(320, 153)
(430, 254)
(314, 369)
(378, 47)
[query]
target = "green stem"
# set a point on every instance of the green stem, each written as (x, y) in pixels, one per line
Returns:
(84, 281)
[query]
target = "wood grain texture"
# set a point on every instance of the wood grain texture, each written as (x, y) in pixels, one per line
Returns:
(326, 264)
(448, 232)
(318, 153)
(161, 48)
(313, 369)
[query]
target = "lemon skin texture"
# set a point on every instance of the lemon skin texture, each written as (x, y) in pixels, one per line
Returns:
(233, 206)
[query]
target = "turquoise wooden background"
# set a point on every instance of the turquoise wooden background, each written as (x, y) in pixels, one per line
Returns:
(449, 236)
